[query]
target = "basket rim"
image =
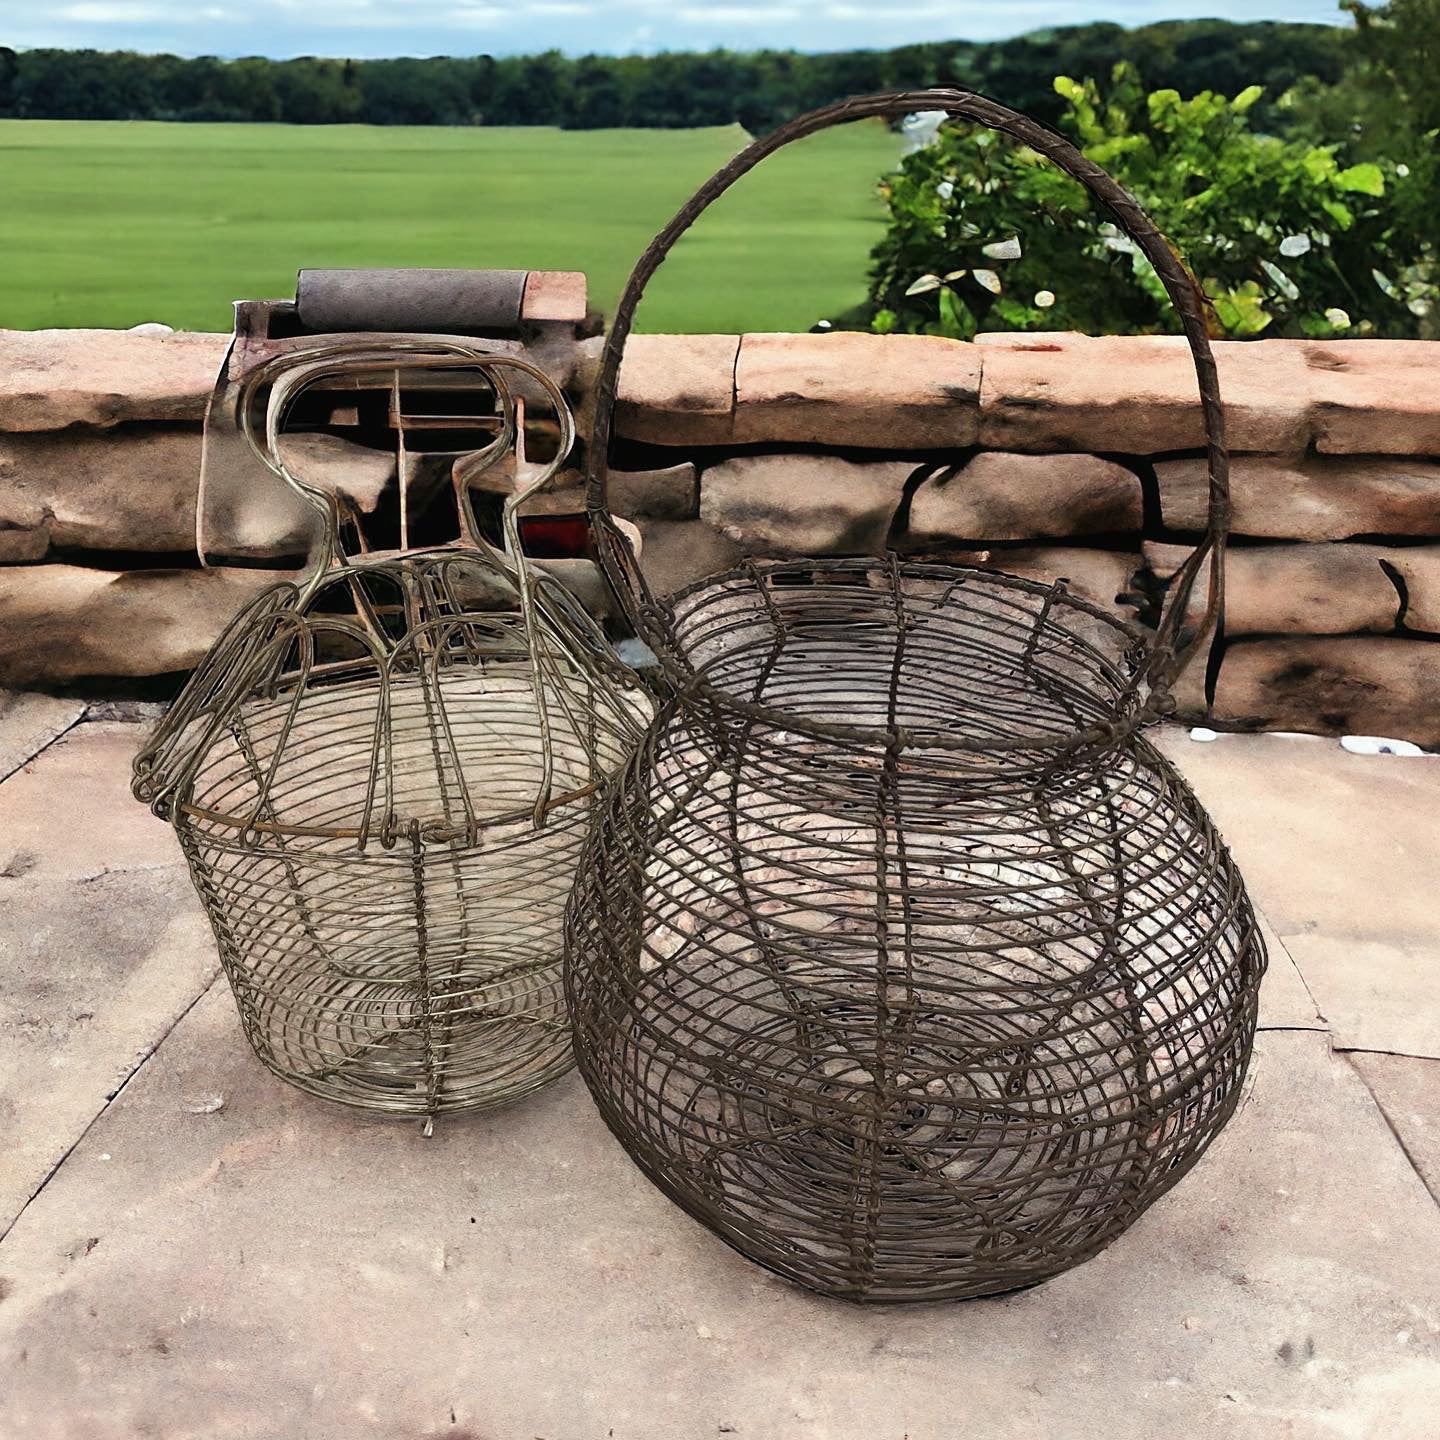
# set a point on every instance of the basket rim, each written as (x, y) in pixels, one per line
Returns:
(691, 684)
(389, 835)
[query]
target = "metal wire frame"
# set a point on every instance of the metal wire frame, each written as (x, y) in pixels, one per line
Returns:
(900, 1022)
(1173, 643)
(899, 957)
(382, 794)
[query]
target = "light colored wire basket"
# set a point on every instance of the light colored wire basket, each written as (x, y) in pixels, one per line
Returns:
(383, 792)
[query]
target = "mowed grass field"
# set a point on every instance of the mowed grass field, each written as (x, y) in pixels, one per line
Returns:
(112, 223)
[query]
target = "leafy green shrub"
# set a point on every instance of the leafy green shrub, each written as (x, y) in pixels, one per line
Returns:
(1286, 237)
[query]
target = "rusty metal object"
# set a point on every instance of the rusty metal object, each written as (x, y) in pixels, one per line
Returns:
(423, 302)
(535, 316)
(899, 957)
(382, 791)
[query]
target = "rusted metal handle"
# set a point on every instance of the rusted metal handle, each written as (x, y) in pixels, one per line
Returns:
(1171, 647)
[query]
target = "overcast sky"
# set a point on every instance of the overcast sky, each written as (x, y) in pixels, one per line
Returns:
(467, 27)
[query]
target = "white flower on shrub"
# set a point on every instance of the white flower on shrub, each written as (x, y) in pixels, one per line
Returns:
(1002, 249)
(923, 127)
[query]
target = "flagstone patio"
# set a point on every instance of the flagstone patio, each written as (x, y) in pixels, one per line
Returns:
(190, 1248)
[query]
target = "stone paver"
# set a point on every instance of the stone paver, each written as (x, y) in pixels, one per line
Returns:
(1407, 1089)
(209, 1253)
(30, 722)
(1339, 851)
(1378, 995)
(278, 1267)
(71, 815)
(1331, 842)
(1285, 1000)
(102, 947)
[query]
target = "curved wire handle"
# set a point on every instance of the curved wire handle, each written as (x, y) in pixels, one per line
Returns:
(290, 376)
(1171, 649)
(561, 639)
(539, 597)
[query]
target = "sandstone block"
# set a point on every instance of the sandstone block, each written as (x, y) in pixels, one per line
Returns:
(1310, 497)
(1332, 686)
(669, 493)
(678, 554)
(65, 622)
(247, 512)
(50, 379)
(895, 392)
(582, 381)
(1028, 339)
(1104, 577)
(678, 389)
(555, 295)
(24, 532)
(804, 504)
(1295, 589)
(1375, 396)
(130, 488)
(356, 473)
(1006, 496)
(1138, 395)
(1419, 571)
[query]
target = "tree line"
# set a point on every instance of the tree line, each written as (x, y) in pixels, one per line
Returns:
(670, 90)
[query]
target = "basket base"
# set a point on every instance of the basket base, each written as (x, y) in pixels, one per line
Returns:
(810, 1144)
(375, 1037)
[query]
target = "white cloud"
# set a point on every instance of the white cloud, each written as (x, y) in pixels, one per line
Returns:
(116, 12)
(737, 14)
(428, 27)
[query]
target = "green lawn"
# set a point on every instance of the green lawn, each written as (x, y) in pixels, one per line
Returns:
(110, 224)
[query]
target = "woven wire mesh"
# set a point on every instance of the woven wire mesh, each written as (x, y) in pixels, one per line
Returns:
(900, 958)
(357, 804)
(928, 1010)
(382, 781)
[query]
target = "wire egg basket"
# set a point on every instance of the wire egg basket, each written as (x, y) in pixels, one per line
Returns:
(382, 790)
(899, 957)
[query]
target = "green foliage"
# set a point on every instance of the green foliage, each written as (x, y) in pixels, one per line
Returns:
(1399, 45)
(1286, 237)
(1385, 108)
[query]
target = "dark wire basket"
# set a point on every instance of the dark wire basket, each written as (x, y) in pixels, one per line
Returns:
(899, 957)
(383, 792)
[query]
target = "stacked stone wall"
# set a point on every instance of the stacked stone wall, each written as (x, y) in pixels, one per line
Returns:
(1047, 455)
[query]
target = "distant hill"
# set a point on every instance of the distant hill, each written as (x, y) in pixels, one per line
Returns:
(719, 87)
